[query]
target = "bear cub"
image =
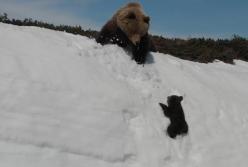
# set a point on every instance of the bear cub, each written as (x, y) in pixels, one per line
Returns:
(174, 111)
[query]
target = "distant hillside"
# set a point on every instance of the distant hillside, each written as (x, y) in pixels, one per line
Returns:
(196, 49)
(204, 50)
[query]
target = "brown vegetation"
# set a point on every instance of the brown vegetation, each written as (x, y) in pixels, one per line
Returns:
(196, 49)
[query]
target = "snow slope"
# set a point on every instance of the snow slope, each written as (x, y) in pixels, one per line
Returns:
(66, 101)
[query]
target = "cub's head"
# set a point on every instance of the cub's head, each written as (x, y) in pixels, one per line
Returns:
(132, 20)
(174, 100)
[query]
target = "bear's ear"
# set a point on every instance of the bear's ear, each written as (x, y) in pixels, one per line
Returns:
(181, 98)
(163, 106)
(147, 19)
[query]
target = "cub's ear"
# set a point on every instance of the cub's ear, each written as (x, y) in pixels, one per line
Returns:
(163, 106)
(181, 98)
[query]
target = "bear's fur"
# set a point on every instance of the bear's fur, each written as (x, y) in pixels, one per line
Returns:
(128, 28)
(174, 111)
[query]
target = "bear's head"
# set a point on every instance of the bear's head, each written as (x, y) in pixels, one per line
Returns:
(132, 20)
(174, 100)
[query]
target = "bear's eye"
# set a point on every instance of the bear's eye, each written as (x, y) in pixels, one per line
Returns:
(131, 16)
(147, 20)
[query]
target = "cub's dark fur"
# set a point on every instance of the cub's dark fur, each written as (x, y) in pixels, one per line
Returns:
(174, 111)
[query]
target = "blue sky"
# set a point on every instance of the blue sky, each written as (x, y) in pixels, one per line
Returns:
(170, 18)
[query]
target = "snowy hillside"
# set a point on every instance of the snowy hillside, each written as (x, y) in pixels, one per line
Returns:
(66, 101)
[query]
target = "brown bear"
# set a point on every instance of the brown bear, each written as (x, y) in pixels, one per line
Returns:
(128, 28)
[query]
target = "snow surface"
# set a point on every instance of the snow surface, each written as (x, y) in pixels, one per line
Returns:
(66, 101)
